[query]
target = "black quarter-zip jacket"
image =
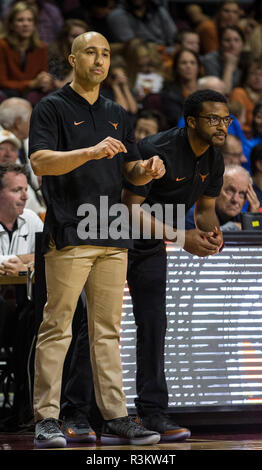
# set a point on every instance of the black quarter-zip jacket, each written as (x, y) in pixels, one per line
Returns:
(65, 121)
(187, 177)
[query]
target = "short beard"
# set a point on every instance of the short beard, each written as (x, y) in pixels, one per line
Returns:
(209, 139)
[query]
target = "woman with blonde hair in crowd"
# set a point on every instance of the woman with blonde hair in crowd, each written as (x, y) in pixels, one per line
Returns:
(59, 50)
(116, 86)
(23, 57)
(144, 67)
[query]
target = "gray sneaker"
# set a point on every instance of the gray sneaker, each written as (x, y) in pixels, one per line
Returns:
(49, 434)
(127, 431)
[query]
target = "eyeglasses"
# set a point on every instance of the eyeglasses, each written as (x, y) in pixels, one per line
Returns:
(216, 120)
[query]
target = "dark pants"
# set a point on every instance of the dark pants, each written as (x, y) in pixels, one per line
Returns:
(146, 277)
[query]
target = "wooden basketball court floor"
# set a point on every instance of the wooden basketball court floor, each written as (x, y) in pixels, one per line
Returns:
(200, 442)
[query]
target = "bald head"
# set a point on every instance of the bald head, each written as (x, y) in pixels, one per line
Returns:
(211, 82)
(90, 60)
(81, 41)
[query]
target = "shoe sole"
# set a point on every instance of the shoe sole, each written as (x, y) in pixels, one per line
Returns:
(83, 438)
(111, 439)
(175, 437)
(50, 443)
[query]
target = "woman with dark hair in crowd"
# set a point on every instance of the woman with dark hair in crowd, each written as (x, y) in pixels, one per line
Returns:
(250, 92)
(228, 61)
(23, 58)
(255, 137)
(186, 70)
(227, 14)
(257, 121)
(59, 50)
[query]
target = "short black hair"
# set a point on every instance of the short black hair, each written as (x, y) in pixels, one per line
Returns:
(156, 116)
(193, 103)
(10, 168)
(256, 109)
(255, 155)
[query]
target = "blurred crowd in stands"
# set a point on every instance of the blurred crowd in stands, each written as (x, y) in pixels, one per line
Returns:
(162, 51)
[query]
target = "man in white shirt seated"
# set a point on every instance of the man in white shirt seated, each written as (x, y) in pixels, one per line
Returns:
(17, 224)
(9, 153)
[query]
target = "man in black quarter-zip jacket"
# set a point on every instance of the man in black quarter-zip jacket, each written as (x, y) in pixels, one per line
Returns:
(194, 174)
(82, 144)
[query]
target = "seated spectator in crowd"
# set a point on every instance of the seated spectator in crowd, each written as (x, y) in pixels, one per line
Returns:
(9, 153)
(23, 58)
(17, 224)
(238, 110)
(256, 133)
(15, 116)
(256, 170)
(232, 151)
(9, 146)
(228, 61)
(208, 82)
(144, 19)
(211, 82)
(237, 189)
(149, 122)
(257, 121)
(59, 50)
(68, 6)
(49, 18)
(228, 14)
(185, 73)
(254, 21)
(250, 92)
(94, 13)
(116, 86)
(204, 26)
(144, 67)
(187, 40)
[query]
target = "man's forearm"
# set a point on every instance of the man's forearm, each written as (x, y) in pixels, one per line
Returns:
(206, 221)
(48, 162)
(150, 227)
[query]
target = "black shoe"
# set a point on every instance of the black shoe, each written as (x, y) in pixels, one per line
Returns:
(48, 434)
(127, 431)
(169, 431)
(76, 430)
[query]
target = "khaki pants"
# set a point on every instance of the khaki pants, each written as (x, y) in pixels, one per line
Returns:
(101, 271)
